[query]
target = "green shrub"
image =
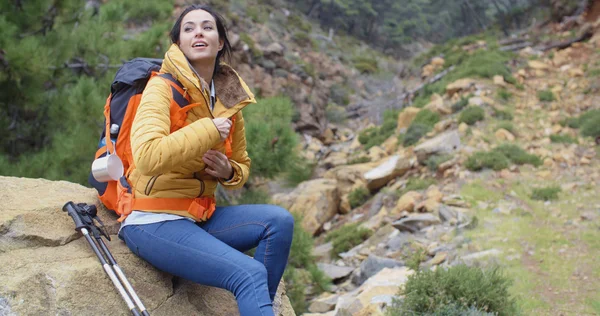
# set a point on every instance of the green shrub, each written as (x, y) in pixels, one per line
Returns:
(357, 160)
(339, 94)
(520, 86)
(545, 96)
(510, 79)
(590, 123)
(303, 39)
(471, 115)
(426, 117)
(459, 105)
(430, 292)
(504, 94)
(251, 45)
(492, 160)
(416, 184)
(254, 196)
(503, 115)
(358, 197)
(266, 121)
(301, 170)
(420, 101)
(416, 257)
(434, 161)
(517, 155)
(562, 139)
(366, 64)
(374, 136)
(507, 126)
(346, 237)
(296, 22)
(414, 133)
(335, 113)
(484, 64)
(546, 193)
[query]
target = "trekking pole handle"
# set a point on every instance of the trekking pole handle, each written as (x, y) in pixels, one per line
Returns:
(70, 208)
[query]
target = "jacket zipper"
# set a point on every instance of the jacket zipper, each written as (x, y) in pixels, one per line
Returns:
(202, 184)
(150, 185)
(188, 79)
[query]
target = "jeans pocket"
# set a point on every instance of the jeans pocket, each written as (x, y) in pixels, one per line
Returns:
(126, 232)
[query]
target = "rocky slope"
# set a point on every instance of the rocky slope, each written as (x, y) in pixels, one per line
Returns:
(463, 216)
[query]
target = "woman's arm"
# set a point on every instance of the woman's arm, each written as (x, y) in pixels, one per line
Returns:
(240, 162)
(157, 151)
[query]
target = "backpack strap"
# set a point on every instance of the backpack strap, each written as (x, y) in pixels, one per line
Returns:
(180, 96)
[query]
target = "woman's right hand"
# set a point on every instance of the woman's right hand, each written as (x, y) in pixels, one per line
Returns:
(223, 124)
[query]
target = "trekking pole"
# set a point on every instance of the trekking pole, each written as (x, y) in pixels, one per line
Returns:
(83, 223)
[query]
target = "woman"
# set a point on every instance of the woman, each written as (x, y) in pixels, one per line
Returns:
(199, 242)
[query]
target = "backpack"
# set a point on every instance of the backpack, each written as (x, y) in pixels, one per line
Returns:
(120, 109)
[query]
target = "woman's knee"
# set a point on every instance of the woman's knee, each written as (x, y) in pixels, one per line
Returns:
(281, 219)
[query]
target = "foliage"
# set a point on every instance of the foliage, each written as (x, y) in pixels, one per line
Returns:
(426, 117)
(468, 288)
(500, 158)
(503, 115)
(301, 258)
(504, 94)
(346, 237)
(562, 139)
(361, 159)
(459, 105)
(358, 197)
(433, 162)
(414, 133)
(299, 171)
(376, 135)
(273, 140)
(256, 52)
(366, 64)
(254, 196)
(545, 96)
(546, 193)
(414, 260)
(303, 39)
(590, 125)
(335, 113)
(416, 184)
(471, 115)
(339, 94)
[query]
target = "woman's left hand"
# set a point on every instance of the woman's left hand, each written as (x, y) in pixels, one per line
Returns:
(217, 164)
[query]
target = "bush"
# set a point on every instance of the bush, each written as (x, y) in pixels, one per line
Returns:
(562, 139)
(468, 288)
(504, 94)
(492, 160)
(303, 39)
(517, 155)
(357, 160)
(414, 133)
(433, 162)
(414, 260)
(358, 197)
(265, 122)
(299, 171)
(339, 94)
(254, 196)
(459, 105)
(374, 136)
(510, 79)
(416, 184)
(366, 64)
(346, 237)
(335, 113)
(546, 193)
(590, 126)
(426, 117)
(301, 258)
(503, 115)
(471, 115)
(251, 45)
(546, 96)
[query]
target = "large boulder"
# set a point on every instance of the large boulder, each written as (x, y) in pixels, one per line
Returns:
(348, 176)
(445, 143)
(317, 201)
(47, 268)
(393, 167)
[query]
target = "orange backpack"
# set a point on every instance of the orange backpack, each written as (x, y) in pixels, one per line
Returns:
(119, 112)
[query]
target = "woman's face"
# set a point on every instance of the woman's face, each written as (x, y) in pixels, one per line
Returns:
(199, 38)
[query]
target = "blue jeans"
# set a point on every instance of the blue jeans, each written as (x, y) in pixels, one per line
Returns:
(211, 253)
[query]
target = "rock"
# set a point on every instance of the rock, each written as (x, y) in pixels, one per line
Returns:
(335, 159)
(438, 61)
(437, 105)
(538, 65)
(390, 145)
(317, 201)
(445, 143)
(576, 72)
(406, 203)
(430, 205)
(376, 153)
(504, 135)
(476, 101)
(442, 125)
(434, 193)
(274, 49)
(372, 310)
(439, 258)
(47, 268)
(385, 283)
(462, 128)
(471, 258)
(499, 81)
(371, 266)
(345, 206)
(406, 117)
(323, 304)
(415, 222)
(322, 252)
(335, 272)
(459, 85)
(349, 175)
(393, 167)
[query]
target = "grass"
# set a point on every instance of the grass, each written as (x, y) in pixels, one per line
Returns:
(459, 105)
(562, 139)
(428, 292)
(346, 237)
(416, 184)
(414, 260)
(503, 115)
(500, 158)
(358, 197)
(422, 124)
(433, 162)
(374, 136)
(361, 159)
(546, 193)
(471, 115)
(504, 94)
(546, 96)
(507, 126)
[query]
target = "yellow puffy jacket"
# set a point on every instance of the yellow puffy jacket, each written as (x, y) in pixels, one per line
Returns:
(169, 165)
